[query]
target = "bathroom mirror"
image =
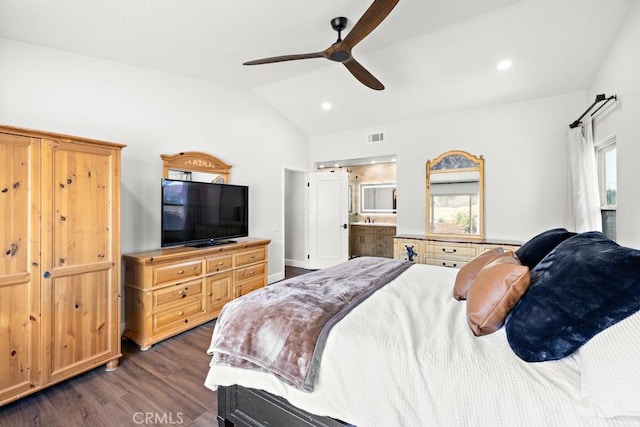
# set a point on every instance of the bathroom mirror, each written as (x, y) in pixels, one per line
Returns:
(455, 196)
(195, 166)
(378, 198)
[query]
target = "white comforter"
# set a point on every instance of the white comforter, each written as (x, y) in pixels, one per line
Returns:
(406, 357)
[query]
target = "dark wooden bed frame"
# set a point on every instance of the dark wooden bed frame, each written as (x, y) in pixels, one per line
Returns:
(245, 407)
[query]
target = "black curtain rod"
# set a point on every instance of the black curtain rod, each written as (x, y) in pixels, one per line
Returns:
(599, 98)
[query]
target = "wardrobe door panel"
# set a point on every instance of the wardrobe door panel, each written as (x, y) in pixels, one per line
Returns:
(19, 270)
(80, 322)
(81, 197)
(81, 299)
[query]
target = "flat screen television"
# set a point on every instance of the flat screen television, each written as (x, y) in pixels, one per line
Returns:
(203, 214)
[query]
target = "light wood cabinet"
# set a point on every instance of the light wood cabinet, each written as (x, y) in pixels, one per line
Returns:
(372, 240)
(170, 290)
(59, 259)
(444, 253)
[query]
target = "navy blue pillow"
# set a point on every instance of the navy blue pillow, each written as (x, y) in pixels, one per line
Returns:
(586, 284)
(532, 252)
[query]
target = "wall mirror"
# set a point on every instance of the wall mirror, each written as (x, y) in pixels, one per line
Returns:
(378, 198)
(455, 196)
(195, 166)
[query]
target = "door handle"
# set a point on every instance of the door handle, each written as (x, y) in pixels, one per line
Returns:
(344, 226)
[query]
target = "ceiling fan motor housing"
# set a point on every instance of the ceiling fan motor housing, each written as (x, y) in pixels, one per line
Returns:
(339, 23)
(339, 56)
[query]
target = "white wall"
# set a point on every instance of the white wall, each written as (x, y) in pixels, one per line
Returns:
(295, 244)
(154, 113)
(619, 73)
(524, 146)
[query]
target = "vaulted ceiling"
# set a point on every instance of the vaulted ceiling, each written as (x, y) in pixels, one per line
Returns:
(433, 57)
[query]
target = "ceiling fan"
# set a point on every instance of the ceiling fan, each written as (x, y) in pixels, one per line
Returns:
(340, 51)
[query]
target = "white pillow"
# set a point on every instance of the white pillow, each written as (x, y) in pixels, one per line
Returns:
(610, 371)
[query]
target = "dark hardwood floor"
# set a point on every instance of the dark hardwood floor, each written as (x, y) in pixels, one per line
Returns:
(294, 271)
(162, 386)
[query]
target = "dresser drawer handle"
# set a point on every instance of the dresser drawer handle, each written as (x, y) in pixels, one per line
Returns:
(449, 252)
(252, 257)
(221, 263)
(444, 264)
(180, 271)
(181, 313)
(251, 272)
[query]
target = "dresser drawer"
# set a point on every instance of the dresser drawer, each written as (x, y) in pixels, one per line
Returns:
(219, 263)
(177, 316)
(249, 257)
(176, 292)
(250, 272)
(451, 250)
(248, 286)
(402, 252)
(442, 262)
(170, 273)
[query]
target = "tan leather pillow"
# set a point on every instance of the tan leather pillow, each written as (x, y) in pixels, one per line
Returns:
(470, 270)
(496, 290)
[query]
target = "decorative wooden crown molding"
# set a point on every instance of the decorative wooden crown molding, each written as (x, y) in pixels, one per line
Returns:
(195, 161)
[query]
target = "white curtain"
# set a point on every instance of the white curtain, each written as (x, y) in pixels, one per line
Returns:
(583, 212)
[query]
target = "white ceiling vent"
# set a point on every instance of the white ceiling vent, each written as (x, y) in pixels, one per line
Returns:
(374, 138)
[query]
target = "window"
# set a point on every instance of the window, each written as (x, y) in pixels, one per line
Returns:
(606, 155)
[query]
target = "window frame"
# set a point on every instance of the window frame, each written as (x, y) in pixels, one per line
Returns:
(602, 148)
(607, 211)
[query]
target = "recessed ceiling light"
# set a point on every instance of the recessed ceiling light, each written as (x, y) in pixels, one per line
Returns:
(505, 64)
(326, 106)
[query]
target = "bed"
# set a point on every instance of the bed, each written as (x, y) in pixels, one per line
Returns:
(406, 355)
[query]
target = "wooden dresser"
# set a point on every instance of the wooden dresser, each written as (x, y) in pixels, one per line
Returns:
(170, 290)
(59, 258)
(446, 253)
(372, 240)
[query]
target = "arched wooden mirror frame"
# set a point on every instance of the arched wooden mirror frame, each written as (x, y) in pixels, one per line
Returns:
(195, 161)
(457, 165)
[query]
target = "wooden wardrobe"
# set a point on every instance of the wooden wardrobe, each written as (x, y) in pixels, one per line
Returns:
(59, 258)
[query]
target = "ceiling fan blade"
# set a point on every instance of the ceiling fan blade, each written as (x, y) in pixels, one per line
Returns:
(361, 73)
(376, 13)
(285, 58)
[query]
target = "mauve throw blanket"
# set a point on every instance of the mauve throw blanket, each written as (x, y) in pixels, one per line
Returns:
(282, 328)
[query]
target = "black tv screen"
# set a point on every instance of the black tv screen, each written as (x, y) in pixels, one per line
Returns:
(202, 214)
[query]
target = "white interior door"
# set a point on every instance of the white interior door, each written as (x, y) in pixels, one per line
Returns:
(328, 219)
